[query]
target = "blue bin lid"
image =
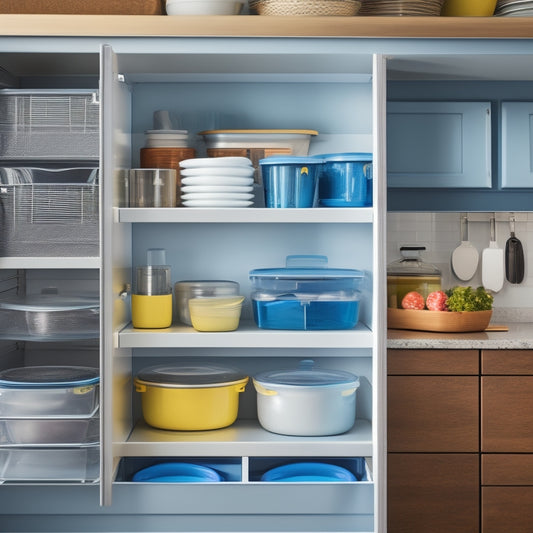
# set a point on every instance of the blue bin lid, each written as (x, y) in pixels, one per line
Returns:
(345, 157)
(305, 472)
(290, 160)
(177, 473)
(306, 267)
(48, 377)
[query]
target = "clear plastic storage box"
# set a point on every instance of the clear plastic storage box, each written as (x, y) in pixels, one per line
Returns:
(306, 295)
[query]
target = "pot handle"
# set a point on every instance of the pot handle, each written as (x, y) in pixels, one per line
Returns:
(241, 386)
(265, 392)
(139, 387)
(348, 392)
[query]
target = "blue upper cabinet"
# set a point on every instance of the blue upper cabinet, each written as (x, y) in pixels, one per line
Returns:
(517, 145)
(439, 144)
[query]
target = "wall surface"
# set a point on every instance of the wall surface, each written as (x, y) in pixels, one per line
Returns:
(440, 234)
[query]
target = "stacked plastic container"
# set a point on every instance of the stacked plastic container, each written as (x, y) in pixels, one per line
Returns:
(49, 424)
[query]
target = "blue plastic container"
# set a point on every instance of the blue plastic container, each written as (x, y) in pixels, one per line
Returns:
(177, 473)
(346, 180)
(290, 181)
(306, 295)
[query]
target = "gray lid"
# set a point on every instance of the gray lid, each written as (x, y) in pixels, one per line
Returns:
(411, 264)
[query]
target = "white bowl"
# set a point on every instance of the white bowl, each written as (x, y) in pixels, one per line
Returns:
(203, 7)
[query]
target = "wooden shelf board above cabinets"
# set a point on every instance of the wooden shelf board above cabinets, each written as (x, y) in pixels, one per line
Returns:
(262, 26)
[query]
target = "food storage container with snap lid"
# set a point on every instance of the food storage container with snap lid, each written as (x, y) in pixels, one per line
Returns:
(306, 401)
(48, 392)
(306, 295)
(190, 396)
(411, 273)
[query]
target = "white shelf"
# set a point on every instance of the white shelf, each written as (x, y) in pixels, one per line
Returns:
(244, 438)
(247, 336)
(50, 262)
(247, 215)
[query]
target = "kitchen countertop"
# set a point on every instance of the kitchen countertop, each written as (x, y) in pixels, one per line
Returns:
(519, 336)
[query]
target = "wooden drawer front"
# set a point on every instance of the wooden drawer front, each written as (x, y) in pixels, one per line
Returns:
(506, 414)
(506, 469)
(433, 493)
(507, 362)
(433, 414)
(506, 509)
(444, 362)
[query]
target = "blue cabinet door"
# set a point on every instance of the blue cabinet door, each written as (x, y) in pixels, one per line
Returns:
(439, 144)
(517, 145)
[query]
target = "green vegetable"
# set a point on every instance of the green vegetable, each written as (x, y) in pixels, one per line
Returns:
(468, 299)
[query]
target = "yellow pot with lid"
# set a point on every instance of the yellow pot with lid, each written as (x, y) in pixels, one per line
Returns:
(411, 273)
(190, 396)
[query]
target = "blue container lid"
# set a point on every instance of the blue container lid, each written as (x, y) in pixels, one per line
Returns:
(305, 472)
(345, 157)
(48, 377)
(306, 376)
(290, 160)
(311, 267)
(177, 473)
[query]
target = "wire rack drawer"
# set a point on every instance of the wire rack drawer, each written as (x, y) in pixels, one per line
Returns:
(49, 219)
(49, 124)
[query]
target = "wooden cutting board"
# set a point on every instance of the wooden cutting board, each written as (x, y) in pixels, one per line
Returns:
(83, 7)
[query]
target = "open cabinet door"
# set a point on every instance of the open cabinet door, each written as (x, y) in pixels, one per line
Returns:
(115, 238)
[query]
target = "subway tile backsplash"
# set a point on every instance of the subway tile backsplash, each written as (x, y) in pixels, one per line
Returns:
(440, 233)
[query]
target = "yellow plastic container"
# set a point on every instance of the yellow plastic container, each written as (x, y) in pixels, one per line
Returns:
(215, 314)
(151, 311)
(190, 408)
(469, 8)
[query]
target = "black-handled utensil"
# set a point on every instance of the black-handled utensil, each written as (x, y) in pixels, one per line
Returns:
(514, 256)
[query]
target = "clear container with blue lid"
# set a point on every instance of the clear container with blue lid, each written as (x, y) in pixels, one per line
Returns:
(306, 295)
(49, 392)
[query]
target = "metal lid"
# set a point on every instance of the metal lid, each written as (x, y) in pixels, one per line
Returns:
(48, 376)
(191, 374)
(306, 376)
(212, 286)
(411, 264)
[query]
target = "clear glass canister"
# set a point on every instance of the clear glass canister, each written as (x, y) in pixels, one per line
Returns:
(410, 273)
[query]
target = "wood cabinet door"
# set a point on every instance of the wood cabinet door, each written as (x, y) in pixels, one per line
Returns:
(507, 414)
(433, 413)
(433, 493)
(506, 509)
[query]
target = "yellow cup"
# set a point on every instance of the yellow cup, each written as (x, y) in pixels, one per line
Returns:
(469, 8)
(151, 312)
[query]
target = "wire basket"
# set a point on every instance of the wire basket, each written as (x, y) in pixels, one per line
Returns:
(345, 8)
(49, 124)
(49, 219)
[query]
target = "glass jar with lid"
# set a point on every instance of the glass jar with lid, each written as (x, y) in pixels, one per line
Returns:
(411, 273)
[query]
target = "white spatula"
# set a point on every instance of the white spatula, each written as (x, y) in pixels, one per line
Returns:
(465, 257)
(493, 262)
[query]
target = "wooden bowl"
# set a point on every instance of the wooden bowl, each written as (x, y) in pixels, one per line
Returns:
(440, 321)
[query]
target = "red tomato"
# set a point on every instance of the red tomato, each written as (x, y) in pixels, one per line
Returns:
(436, 301)
(413, 300)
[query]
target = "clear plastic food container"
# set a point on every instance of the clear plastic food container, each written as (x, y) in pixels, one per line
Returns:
(306, 295)
(75, 464)
(49, 392)
(49, 316)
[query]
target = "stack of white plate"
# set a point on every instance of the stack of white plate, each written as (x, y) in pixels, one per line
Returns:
(514, 8)
(166, 138)
(217, 182)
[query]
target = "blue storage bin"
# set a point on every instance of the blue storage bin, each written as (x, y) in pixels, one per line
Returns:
(346, 180)
(290, 181)
(306, 295)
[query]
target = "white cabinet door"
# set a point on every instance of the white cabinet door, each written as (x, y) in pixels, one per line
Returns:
(439, 144)
(517, 144)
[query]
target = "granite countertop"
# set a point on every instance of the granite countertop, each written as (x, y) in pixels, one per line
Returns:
(519, 336)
